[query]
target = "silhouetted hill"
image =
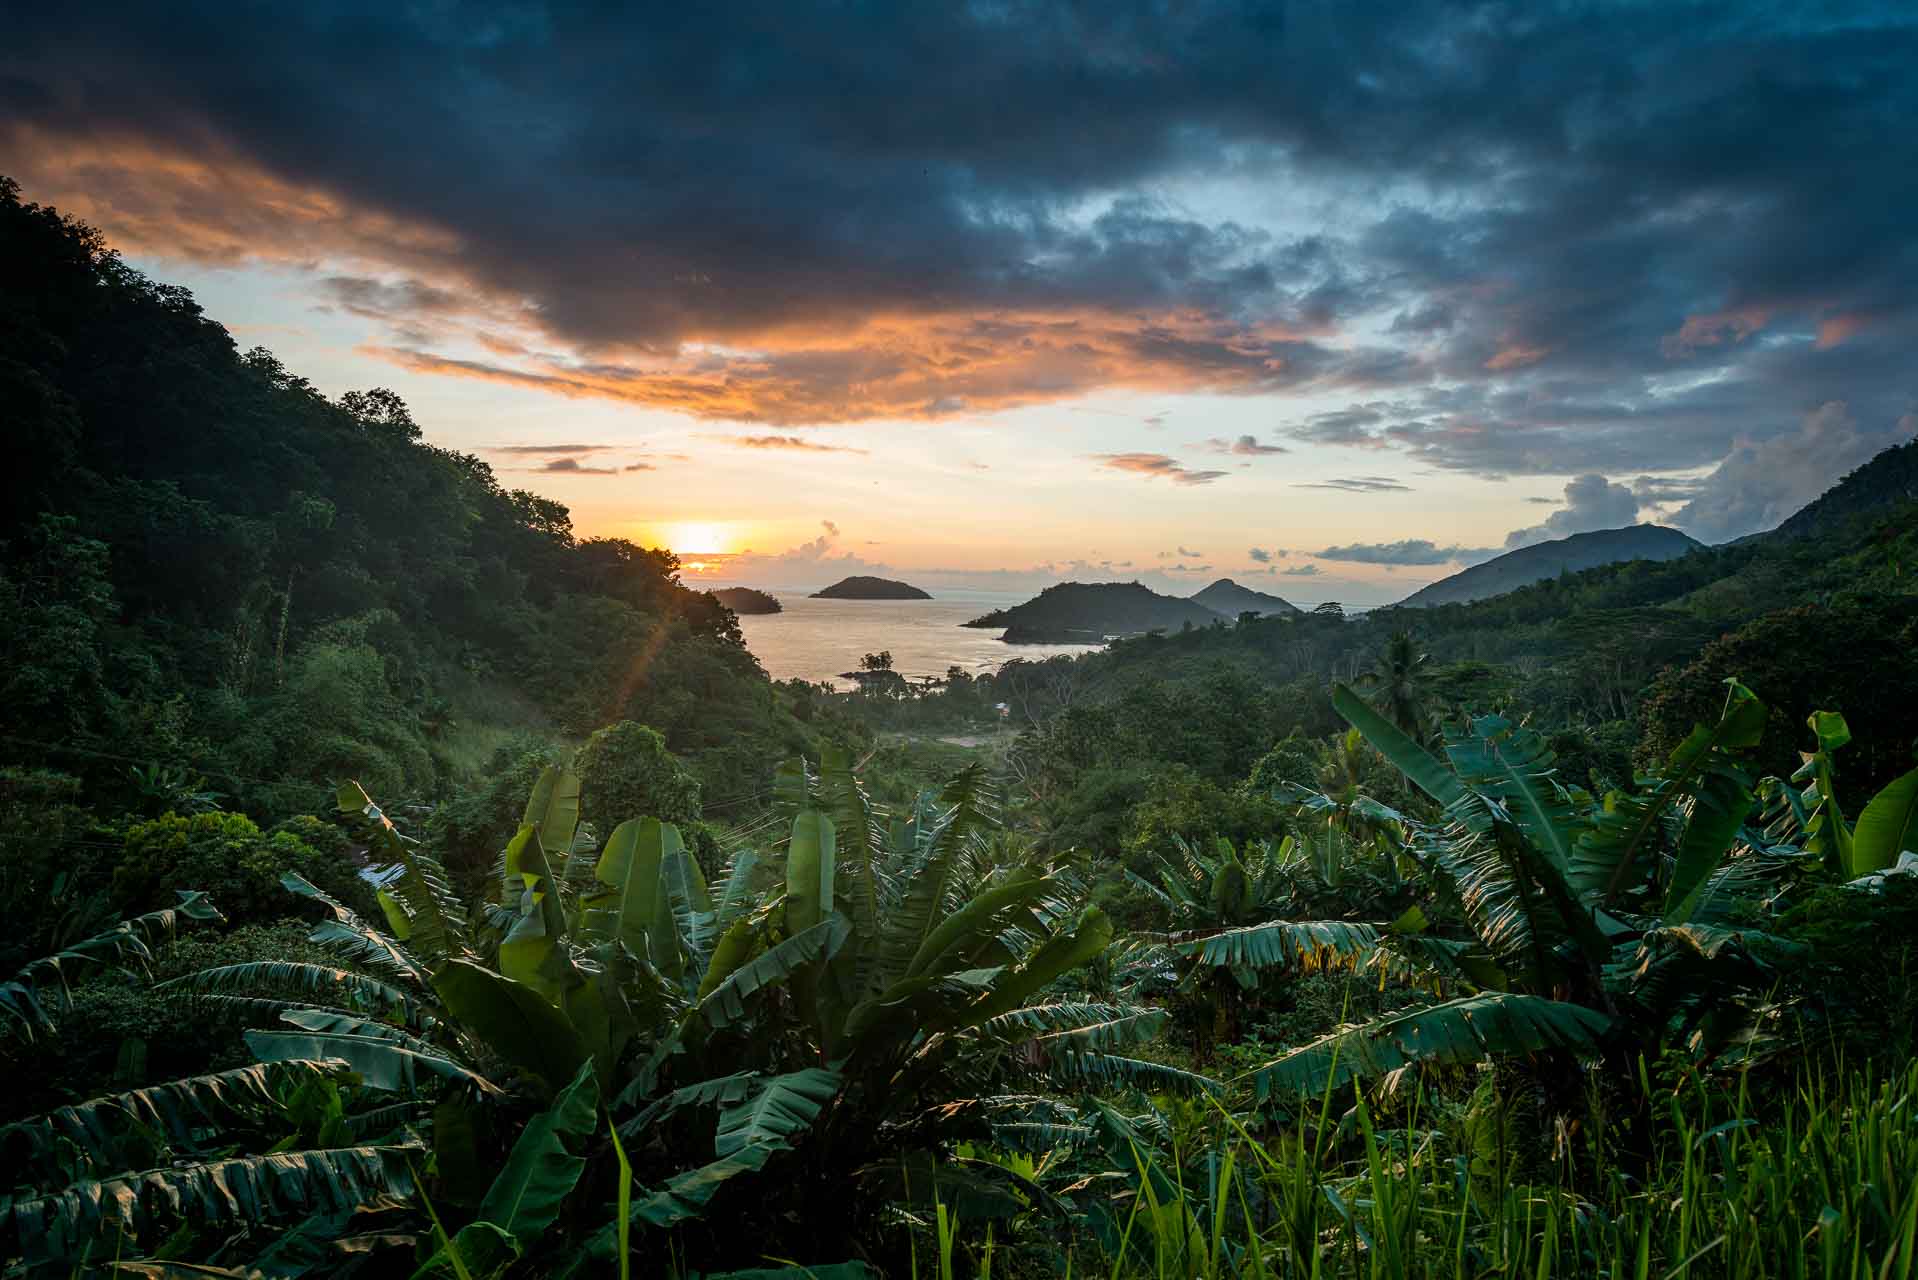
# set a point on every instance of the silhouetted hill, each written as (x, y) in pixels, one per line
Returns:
(860, 587)
(746, 600)
(1090, 611)
(1228, 598)
(1527, 565)
(1888, 480)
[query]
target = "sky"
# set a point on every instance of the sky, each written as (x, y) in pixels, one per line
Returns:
(1329, 299)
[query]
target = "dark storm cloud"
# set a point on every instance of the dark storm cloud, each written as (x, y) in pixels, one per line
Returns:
(1608, 239)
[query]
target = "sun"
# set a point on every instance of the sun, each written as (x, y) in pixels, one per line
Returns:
(697, 539)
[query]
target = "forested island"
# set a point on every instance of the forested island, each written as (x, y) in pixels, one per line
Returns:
(1089, 612)
(863, 587)
(401, 883)
(745, 600)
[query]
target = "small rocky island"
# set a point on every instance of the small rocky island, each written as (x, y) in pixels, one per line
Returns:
(860, 587)
(746, 600)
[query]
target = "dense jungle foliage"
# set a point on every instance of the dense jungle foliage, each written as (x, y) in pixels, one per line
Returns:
(402, 885)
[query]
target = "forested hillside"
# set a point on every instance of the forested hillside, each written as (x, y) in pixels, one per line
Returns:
(211, 568)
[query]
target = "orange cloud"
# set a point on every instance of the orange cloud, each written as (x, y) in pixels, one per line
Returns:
(1711, 329)
(1516, 355)
(1154, 465)
(820, 364)
(1835, 329)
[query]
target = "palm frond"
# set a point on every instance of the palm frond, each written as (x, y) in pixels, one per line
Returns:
(245, 1190)
(1310, 946)
(189, 1114)
(1469, 1029)
(25, 997)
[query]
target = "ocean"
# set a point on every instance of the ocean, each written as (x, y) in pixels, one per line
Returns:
(821, 639)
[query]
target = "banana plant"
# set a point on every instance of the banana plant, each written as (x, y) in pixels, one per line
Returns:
(1808, 805)
(1580, 910)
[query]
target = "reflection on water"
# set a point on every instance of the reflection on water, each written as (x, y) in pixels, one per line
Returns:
(820, 639)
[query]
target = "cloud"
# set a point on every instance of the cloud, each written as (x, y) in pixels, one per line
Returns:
(552, 449)
(1411, 551)
(573, 467)
(832, 530)
(1154, 465)
(1301, 571)
(1546, 241)
(1246, 446)
(797, 443)
(1187, 551)
(1761, 483)
(1591, 502)
(1259, 555)
(639, 466)
(1360, 484)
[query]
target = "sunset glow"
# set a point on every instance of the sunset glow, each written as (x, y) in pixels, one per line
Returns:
(696, 540)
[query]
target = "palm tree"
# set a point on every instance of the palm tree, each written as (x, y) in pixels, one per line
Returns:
(1397, 682)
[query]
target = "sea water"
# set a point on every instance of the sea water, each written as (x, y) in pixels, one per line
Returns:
(822, 639)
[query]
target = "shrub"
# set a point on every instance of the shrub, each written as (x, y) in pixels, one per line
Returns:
(625, 771)
(237, 865)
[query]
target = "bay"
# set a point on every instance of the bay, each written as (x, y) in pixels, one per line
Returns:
(819, 640)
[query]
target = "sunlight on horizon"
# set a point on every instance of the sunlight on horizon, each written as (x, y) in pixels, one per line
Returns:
(696, 539)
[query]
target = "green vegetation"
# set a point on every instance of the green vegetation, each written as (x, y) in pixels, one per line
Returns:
(864, 587)
(400, 884)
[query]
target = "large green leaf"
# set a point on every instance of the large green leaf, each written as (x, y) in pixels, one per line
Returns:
(632, 902)
(513, 1019)
(255, 1190)
(810, 863)
(776, 1111)
(420, 903)
(553, 811)
(1069, 1026)
(1887, 827)
(1469, 1029)
(726, 1003)
(952, 943)
(533, 951)
(353, 937)
(1057, 955)
(773, 1113)
(544, 1165)
(195, 1114)
(1412, 760)
(320, 983)
(1308, 945)
(1610, 854)
(382, 1062)
(1721, 801)
(1515, 765)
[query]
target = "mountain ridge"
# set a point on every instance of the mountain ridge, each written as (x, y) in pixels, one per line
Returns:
(1228, 599)
(1526, 565)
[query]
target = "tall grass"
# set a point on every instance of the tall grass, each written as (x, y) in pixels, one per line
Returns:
(1819, 1185)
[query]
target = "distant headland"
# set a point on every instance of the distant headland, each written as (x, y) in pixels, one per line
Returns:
(746, 600)
(860, 587)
